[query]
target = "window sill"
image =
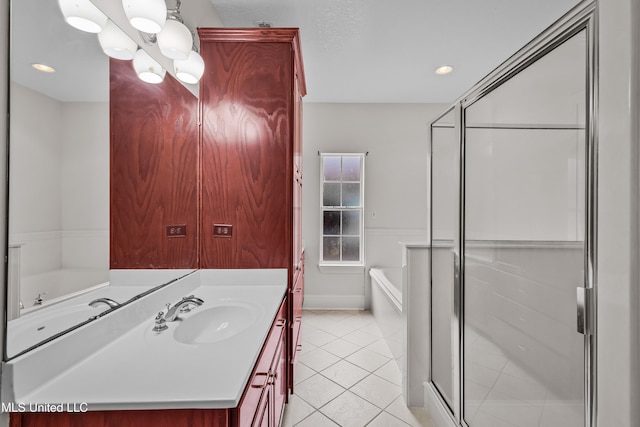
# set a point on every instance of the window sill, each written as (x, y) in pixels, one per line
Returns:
(341, 268)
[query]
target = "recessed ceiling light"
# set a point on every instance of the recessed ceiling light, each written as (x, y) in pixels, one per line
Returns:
(44, 68)
(445, 69)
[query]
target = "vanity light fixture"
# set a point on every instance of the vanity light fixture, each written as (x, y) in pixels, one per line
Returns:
(156, 23)
(191, 69)
(147, 68)
(115, 43)
(83, 15)
(44, 68)
(148, 16)
(445, 69)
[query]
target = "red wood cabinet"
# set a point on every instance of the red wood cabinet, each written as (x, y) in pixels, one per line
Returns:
(295, 345)
(251, 154)
(153, 173)
(264, 398)
(155, 418)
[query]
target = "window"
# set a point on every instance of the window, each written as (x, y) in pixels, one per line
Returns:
(342, 205)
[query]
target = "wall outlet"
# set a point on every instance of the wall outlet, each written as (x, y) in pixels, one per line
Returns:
(222, 230)
(176, 230)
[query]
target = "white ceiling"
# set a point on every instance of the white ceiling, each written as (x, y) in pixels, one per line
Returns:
(354, 50)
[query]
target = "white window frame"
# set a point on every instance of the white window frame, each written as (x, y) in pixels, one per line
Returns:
(342, 208)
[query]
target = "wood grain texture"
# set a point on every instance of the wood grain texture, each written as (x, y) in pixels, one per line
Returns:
(154, 171)
(134, 418)
(246, 161)
(290, 36)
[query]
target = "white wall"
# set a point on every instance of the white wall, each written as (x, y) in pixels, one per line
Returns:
(35, 215)
(395, 135)
(59, 186)
(85, 185)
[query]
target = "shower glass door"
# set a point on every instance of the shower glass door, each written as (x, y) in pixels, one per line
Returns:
(444, 155)
(523, 255)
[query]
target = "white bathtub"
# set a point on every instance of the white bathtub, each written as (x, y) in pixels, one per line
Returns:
(59, 285)
(386, 305)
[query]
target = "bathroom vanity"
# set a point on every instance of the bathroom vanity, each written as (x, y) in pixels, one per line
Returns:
(210, 184)
(223, 363)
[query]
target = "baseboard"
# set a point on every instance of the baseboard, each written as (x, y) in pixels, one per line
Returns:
(333, 302)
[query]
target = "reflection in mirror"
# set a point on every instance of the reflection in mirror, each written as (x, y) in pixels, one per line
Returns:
(59, 169)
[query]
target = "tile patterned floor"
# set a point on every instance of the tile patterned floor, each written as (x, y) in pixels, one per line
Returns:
(347, 376)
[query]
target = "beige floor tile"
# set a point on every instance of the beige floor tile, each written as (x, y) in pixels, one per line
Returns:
(341, 348)
(307, 347)
(380, 346)
(318, 359)
(390, 372)
(367, 359)
(302, 373)
(357, 322)
(316, 420)
(295, 411)
(361, 338)
(317, 337)
(318, 390)
(344, 373)
(376, 390)
(415, 417)
(387, 420)
(349, 410)
(372, 328)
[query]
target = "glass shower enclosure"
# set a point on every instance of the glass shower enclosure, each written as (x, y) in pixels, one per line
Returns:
(512, 239)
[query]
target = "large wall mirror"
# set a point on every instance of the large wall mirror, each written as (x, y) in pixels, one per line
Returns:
(58, 180)
(58, 166)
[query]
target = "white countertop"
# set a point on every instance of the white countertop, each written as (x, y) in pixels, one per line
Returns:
(143, 369)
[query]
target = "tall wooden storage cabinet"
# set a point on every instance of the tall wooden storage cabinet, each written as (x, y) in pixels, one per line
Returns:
(251, 156)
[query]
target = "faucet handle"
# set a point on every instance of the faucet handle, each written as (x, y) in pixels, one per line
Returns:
(160, 323)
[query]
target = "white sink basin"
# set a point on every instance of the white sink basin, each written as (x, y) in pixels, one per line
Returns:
(215, 324)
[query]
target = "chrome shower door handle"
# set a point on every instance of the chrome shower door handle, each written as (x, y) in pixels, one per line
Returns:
(584, 301)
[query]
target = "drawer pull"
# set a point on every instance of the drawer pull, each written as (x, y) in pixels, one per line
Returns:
(263, 383)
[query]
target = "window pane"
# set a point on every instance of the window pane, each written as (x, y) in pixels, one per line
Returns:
(331, 222)
(350, 194)
(351, 249)
(331, 194)
(351, 223)
(331, 168)
(351, 168)
(331, 248)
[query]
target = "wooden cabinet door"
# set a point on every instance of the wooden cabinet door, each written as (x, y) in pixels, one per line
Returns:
(246, 154)
(264, 413)
(153, 172)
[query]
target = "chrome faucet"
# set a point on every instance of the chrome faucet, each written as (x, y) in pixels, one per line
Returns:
(39, 300)
(108, 301)
(182, 306)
